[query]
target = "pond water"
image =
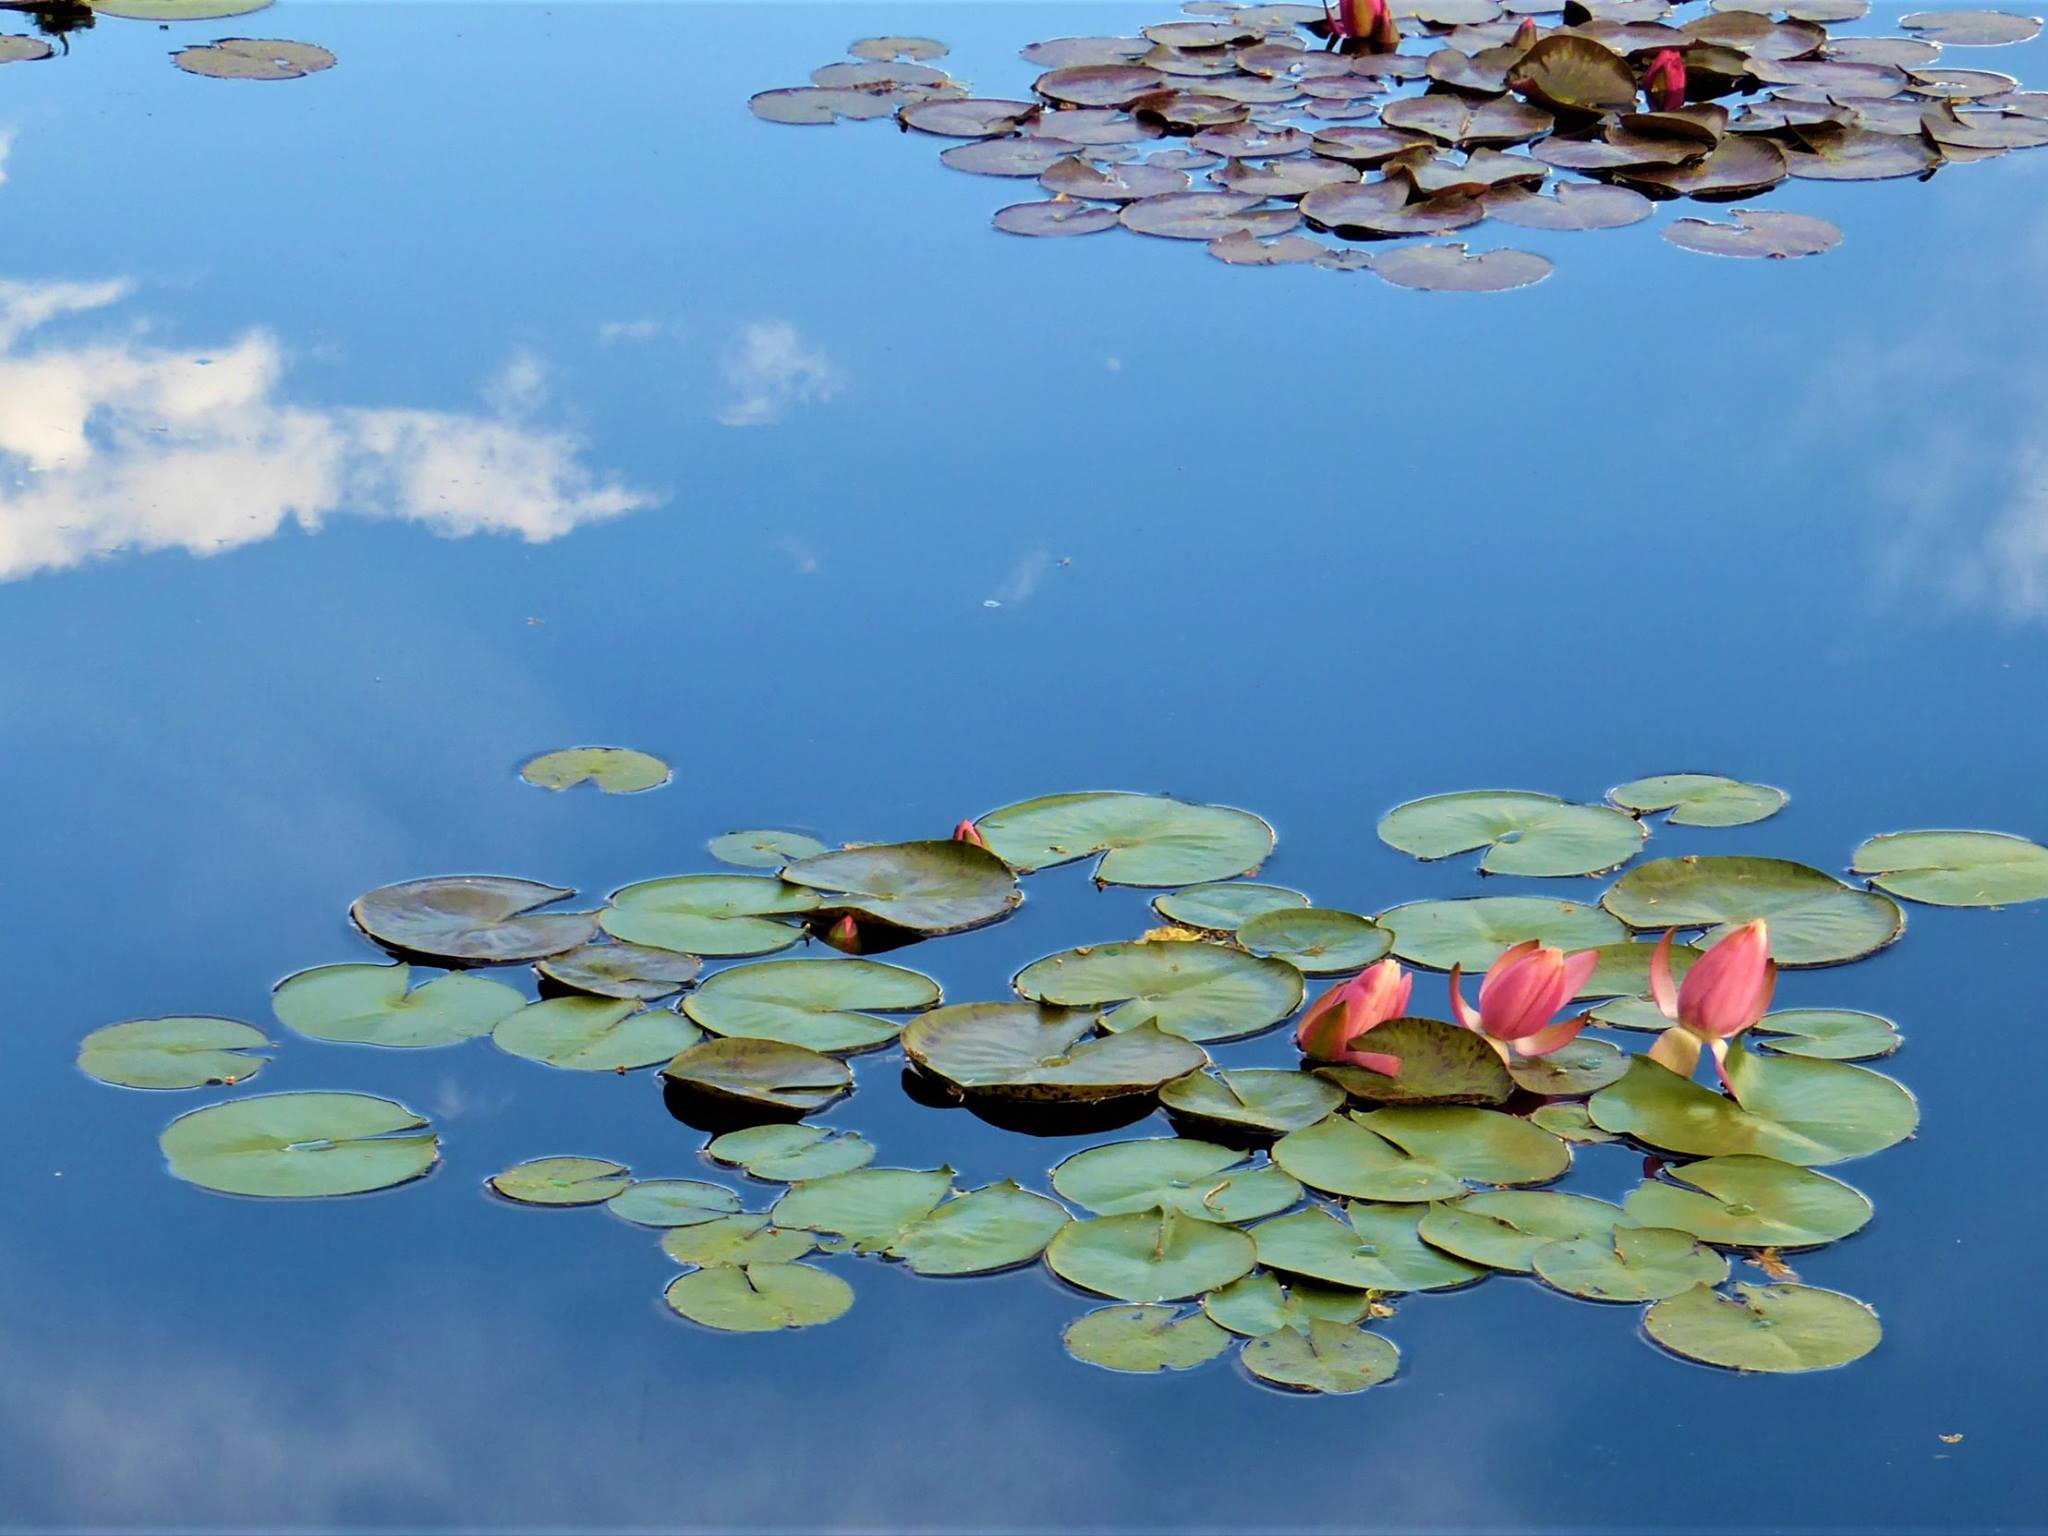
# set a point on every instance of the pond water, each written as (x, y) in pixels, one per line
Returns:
(509, 386)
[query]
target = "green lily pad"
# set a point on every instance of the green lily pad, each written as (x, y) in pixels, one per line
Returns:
(1196, 1178)
(253, 58)
(1440, 1064)
(622, 971)
(1370, 1248)
(1750, 1202)
(179, 1052)
(299, 1145)
(1574, 74)
(811, 1003)
(1225, 906)
(562, 1181)
(1814, 918)
(1149, 1256)
(1571, 1121)
(759, 1298)
(1326, 1357)
(1420, 1152)
(709, 914)
(1197, 990)
(1624, 970)
(984, 1230)
(1472, 931)
(481, 919)
(761, 1074)
(1252, 1098)
(1832, 1034)
(1142, 1339)
(1523, 833)
(672, 1202)
(1700, 799)
(615, 770)
(785, 1154)
(1584, 1066)
(1628, 1264)
(370, 1005)
(1956, 869)
(1794, 1109)
(1028, 1054)
(1502, 1229)
(758, 848)
(744, 1238)
(937, 886)
(1320, 941)
(870, 1207)
(1633, 1013)
(177, 10)
(1972, 29)
(1765, 1327)
(594, 1034)
(1256, 1305)
(1143, 839)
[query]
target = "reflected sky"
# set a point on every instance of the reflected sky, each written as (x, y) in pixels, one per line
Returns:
(777, 462)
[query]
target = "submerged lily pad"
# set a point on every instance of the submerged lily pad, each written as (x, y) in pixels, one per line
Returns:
(1150, 1255)
(763, 848)
(1420, 1152)
(1029, 1054)
(672, 1203)
(1440, 1064)
(253, 58)
(479, 919)
(1143, 1338)
(1200, 991)
(370, 1005)
(1472, 931)
(594, 1034)
(826, 1005)
(785, 1154)
(562, 1181)
(1700, 799)
(1319, 941)
(936, 886)
(1252, 1099)
(1832, 1034)
(621, 970)
(1757, 232)
(1326, 1357)
(1628, 1264)
(1745, 1201)
(1765, 1327)
(761, 1074)
(300, 1145)
(1196, 1178)
(759, 1298)
(1370, 1248)
(1503, 1229)
(1523, 833)
(709, 914)
(1143, 839)
(1256, 1305)
(1814, 918)
(1794, 1109)
(178, 1052)
(997, 1227)
(1225, 906)
(615, 770)
(1956, 869)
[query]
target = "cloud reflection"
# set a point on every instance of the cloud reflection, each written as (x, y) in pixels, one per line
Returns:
(772, 370)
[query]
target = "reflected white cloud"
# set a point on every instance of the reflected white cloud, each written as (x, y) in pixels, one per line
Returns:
(1023, 578)
(628, 330)
(772, 370)
(6, 149)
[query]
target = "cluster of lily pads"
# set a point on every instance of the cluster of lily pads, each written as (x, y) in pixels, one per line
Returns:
(1464, 119)
(227, 58)
(1291, 1206)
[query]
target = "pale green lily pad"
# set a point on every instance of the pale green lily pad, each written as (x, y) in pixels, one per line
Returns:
(594, 1034)
(1420, 1152)
(1832, 1034)
(1956, 869)
(1196, 1178)
(615, 770)
(1320, 941)
(178, 1052)
(1149, 1256)
(825, 1005)
(1142, 1339)
(672, 1202)
(761, 848)
(1814, 918)
(177, 10)
(253, 58)
(937, 886)
(478, 919)
(1371, 1248)
(1629, 1264)
(1632, 1013)
(1750, 1202)
(622, 971)
(1765, 1327)
(1583, 1066)
(761, 1074)
(300, 1145)
(1326, 1357)
(1794, 1109)
(1256, 1305)
(870, 1207)
(16, 48)
(785, 1154)
(1700, 799)
(1143, 839)
(984, 1230)
(1972, 29)
(1571, 1121)
(745, 1238)
(709, 914)
(1624, 969)
(1252, 1098)
(370, 1005)
(1200, 991)
(1440, 1064)
(1523, 833)
(562, 1181)
(1503, 1229)
(1028, 1054)
(759, 1298)
(1225, 906)
(1472, 931)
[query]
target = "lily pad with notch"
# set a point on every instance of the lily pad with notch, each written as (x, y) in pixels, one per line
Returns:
(787, 1154)
(1453, 269)
(1318, 941)
(1258, 1100)
(1574, 75)
(1057, 217)
(1770, 234)
(1571, 1121)
(615, 770)
(1196, 1178)
(981, 1232)
(1573, 206)
(253, 58)
(720, 915)
(1814, 918)
(562, 1181)
(825, 1005)
(742, 1238)
(300, 1145)
(1113, 86)
(472, 919)
(1700, 799)
(759, 1297)
(1325, 1357)
(1150, 1256)
(1371, 1247)
(670, 1203)
(769, 848)
(1473, 931)
(371, 1005)
(1745, 1201)
(1623, 970)
(1972, 29)
(1026, 1054)
(1628, 1263)
(767, 1075)
(1420, 1153)
(1143, 839)
(1956, 869)
(1198, 990)
(1225, 906)
(1779, 1328)
(1571, 1071)
(966, 117)
(1141, 1338)
(1832, 152)
(1792, 1108)
(594, 1034)
(1440, 1064)
(935, 886)
(184, 1051)
(1522, 833)
(871, 1208)
(1257, 1305)
(1831, 1034)
(1503, 1229)
(620, 970)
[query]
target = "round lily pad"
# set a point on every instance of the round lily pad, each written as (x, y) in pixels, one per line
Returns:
(298, 1145)
(937, 886)
(1745, 1201)
(1523, 833)
(370, 1005)
(784, 1154)
(1700, 799)
(890, 48)
(479, 919)
(1149, 1255)
(177, 10)
(1370, 1248)
(1252, 1099)
(743, 1238)
(759, 1298)
(594, 1034)
(562, 1181)
(18, 49)
(1573, 206)
(761, 1074)
(1575, 75)
(1636, 1013)
(1473, 931)
(762, 848)
(1256, 1305)
(1583, 1066)
(177, 1052)
(1324, 1357)
(1225, 906)
(1832, 1034)
(1320, 941)
(1623, 970)
(1814, 918)
(984, 1230)
(870, 1207)
(1956, 869)
(1972, 29)
(709, 914)
(1060, 216)
(1831, 152)
(672, 1202)
(1420, 1152)
(1142, 1339)
(1143, 839)
(966, 117)
(1196, 1178)
(1075, 176)
(619, 970)
(1028, 1054)
(1757, 232)
(1199, 991)
(821, 1004)
(1792, 1108)
(1765, 1327)
(1503, 1229)
(615, 770)
(814, 106)
(1440, 1064)
(1628, 1264)
(253, 58)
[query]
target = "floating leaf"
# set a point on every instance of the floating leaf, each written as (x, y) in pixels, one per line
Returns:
(1750, 1202)
(993, 1228)
(1972, 29)
(1624, 970)
(1420, 1152)
(1064, 52)
(1225, 906)
(594, 1034)
(1523, 833)
(1628, 1264)
(709, 914)
(1196, 1178)
(1371, 1248)
(1956, 869)
(177, 1052)
(1319, 941)
(1741, 166)
(1019, 156)
(1503, 1229)
(1149, 1256)
(298, 1145)
(1440, 1064)
(1200, 991)
(1571, 1121)
(1574, 206)
(1832, 1034)
(1143, 839)
(1113, 86)
(1142, 1339)
(820, 1004)
(253, 58)
(736, 1239)
(18, 49)
(759, 1298)
(562, 1181)
(1794, 1109)
(672, 1202)
(1473, 931)
(762, 848)
(761, 1074)
(870, 1207)
(785, 1154)
(615, 770)
(811, 106)
(369, 1005)
(889, 48)
(1765, 1327)
(633, 971)
(1757, 232)
(1252, 1099)
(1029, 1054)
(1636, 1013)
(1077, 177)
(1830, 152)
(177, 10)
(1256, 1306)
(1327, 1357)
(1814, 918)
(1700, 799)
(965, 117)
(1574, 74)
(937, 886)
(481, 919)
(1061, 216)
(1582, 1067)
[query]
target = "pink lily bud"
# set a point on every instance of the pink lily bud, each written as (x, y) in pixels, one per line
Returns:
(1369, 20)
(1664, 80)
(1728, 989)
(1521, 995)
(1526, 34)
(968, 832)
(1351, 1009)
(844, 935)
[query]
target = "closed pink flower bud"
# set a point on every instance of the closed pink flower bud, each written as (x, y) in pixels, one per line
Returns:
(1664, 80)
(1727, 990)
(1520, 996)
(968, 832)
(1370, 21)
(1351, 1009)
(1526, 34)
(844, 935)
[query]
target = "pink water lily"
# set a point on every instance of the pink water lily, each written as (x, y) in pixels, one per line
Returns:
(1727, 990)
(1664, 80)
(1526, 34)
(844, 935)
(1351, 1009)
(1521, 995)
(968, 832)
(1371, 21)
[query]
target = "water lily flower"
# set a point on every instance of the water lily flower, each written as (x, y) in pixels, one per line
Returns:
(1727, 990)
(1520, 997)
(1526, 34)
(1369, 20)
(968, 832)
(1351, 1009)
(1664, 80)
(844, 935)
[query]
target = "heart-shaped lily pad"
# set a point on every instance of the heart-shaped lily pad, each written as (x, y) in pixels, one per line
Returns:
(1200, 991)
(870, 1207)
(1319, 941)
(1700, 799)
(1635, 1013)
(1028, 1054)
(759, 1298)
(1420, 1152)
(1628, 1264)
(709, 914)
(1370, 1248)
(594, 1034)
(370, 1005)
(1765, 1327)
(18, 49)
(1225, 906)
(1571, 1121)
(477, 919)
(1503, 1229)
(1252, 1099)
(1196, 1178)
(1523, 833)
(1472, 931)
(1832, 1034)
(1765, 233)
(1576, 75)
(1571, 1071)
(1623, 970)
(1750, 1202)
(1143, 839)
(763, 848)
(180, 1052)
(1256, 1305)
(1794, 1109)
(1440, 1064)
(1972, 29)
(671, 1203)
(299, 1145)
(1324, 1357)
(1149, 1255)
(1573, 206)
(253, 58)
(620, 970)
(615, 770)
(761, 1074)
(784, 1154)
(933, 887)
(1814, 918)
(980, 1232)
(562, 1181)
(1956, 869)
(1057, 217)
(1141, 1339)
(745, 1238)
(177, 10)
(821, 1004)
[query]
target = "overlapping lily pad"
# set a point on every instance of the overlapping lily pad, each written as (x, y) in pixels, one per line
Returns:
(1200, 991)
(594, 1034)
(759, 1297)
(615, 770)
(1503, 1229)
(1440, 1064)
(472, 919)
(1832, 1034)
(1197, 1178)
(1765, 1327)
(1700, 799)
(870, 1207)
(1583, 1066)
(996, 1227)
(1420, 1152)
(1623, 970)
(1252, 1099)
(1143, 839)
(1318, 941)
(1150, 1255)
(1746, 1201)
(1522, 833)
(1257, 1305)
(785, 1154)
(185, 1051)
(620, 970)
(670, 1203)
(300, 1145)
(377, 1005)
(763, 848)
(1792, 1108)
(765, 1075)
(562, 1181)
(1628, 1263)
(1029, 1054)
(1814, 918)
(1956, 869)
(825, 1005)
(1324, 1357)
(932, 887)
(1225, 906)
(1472, 931)
(1370, 1247)
(736, 1239)
(710, 914)
(1059, 216)
(1142, 1338)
